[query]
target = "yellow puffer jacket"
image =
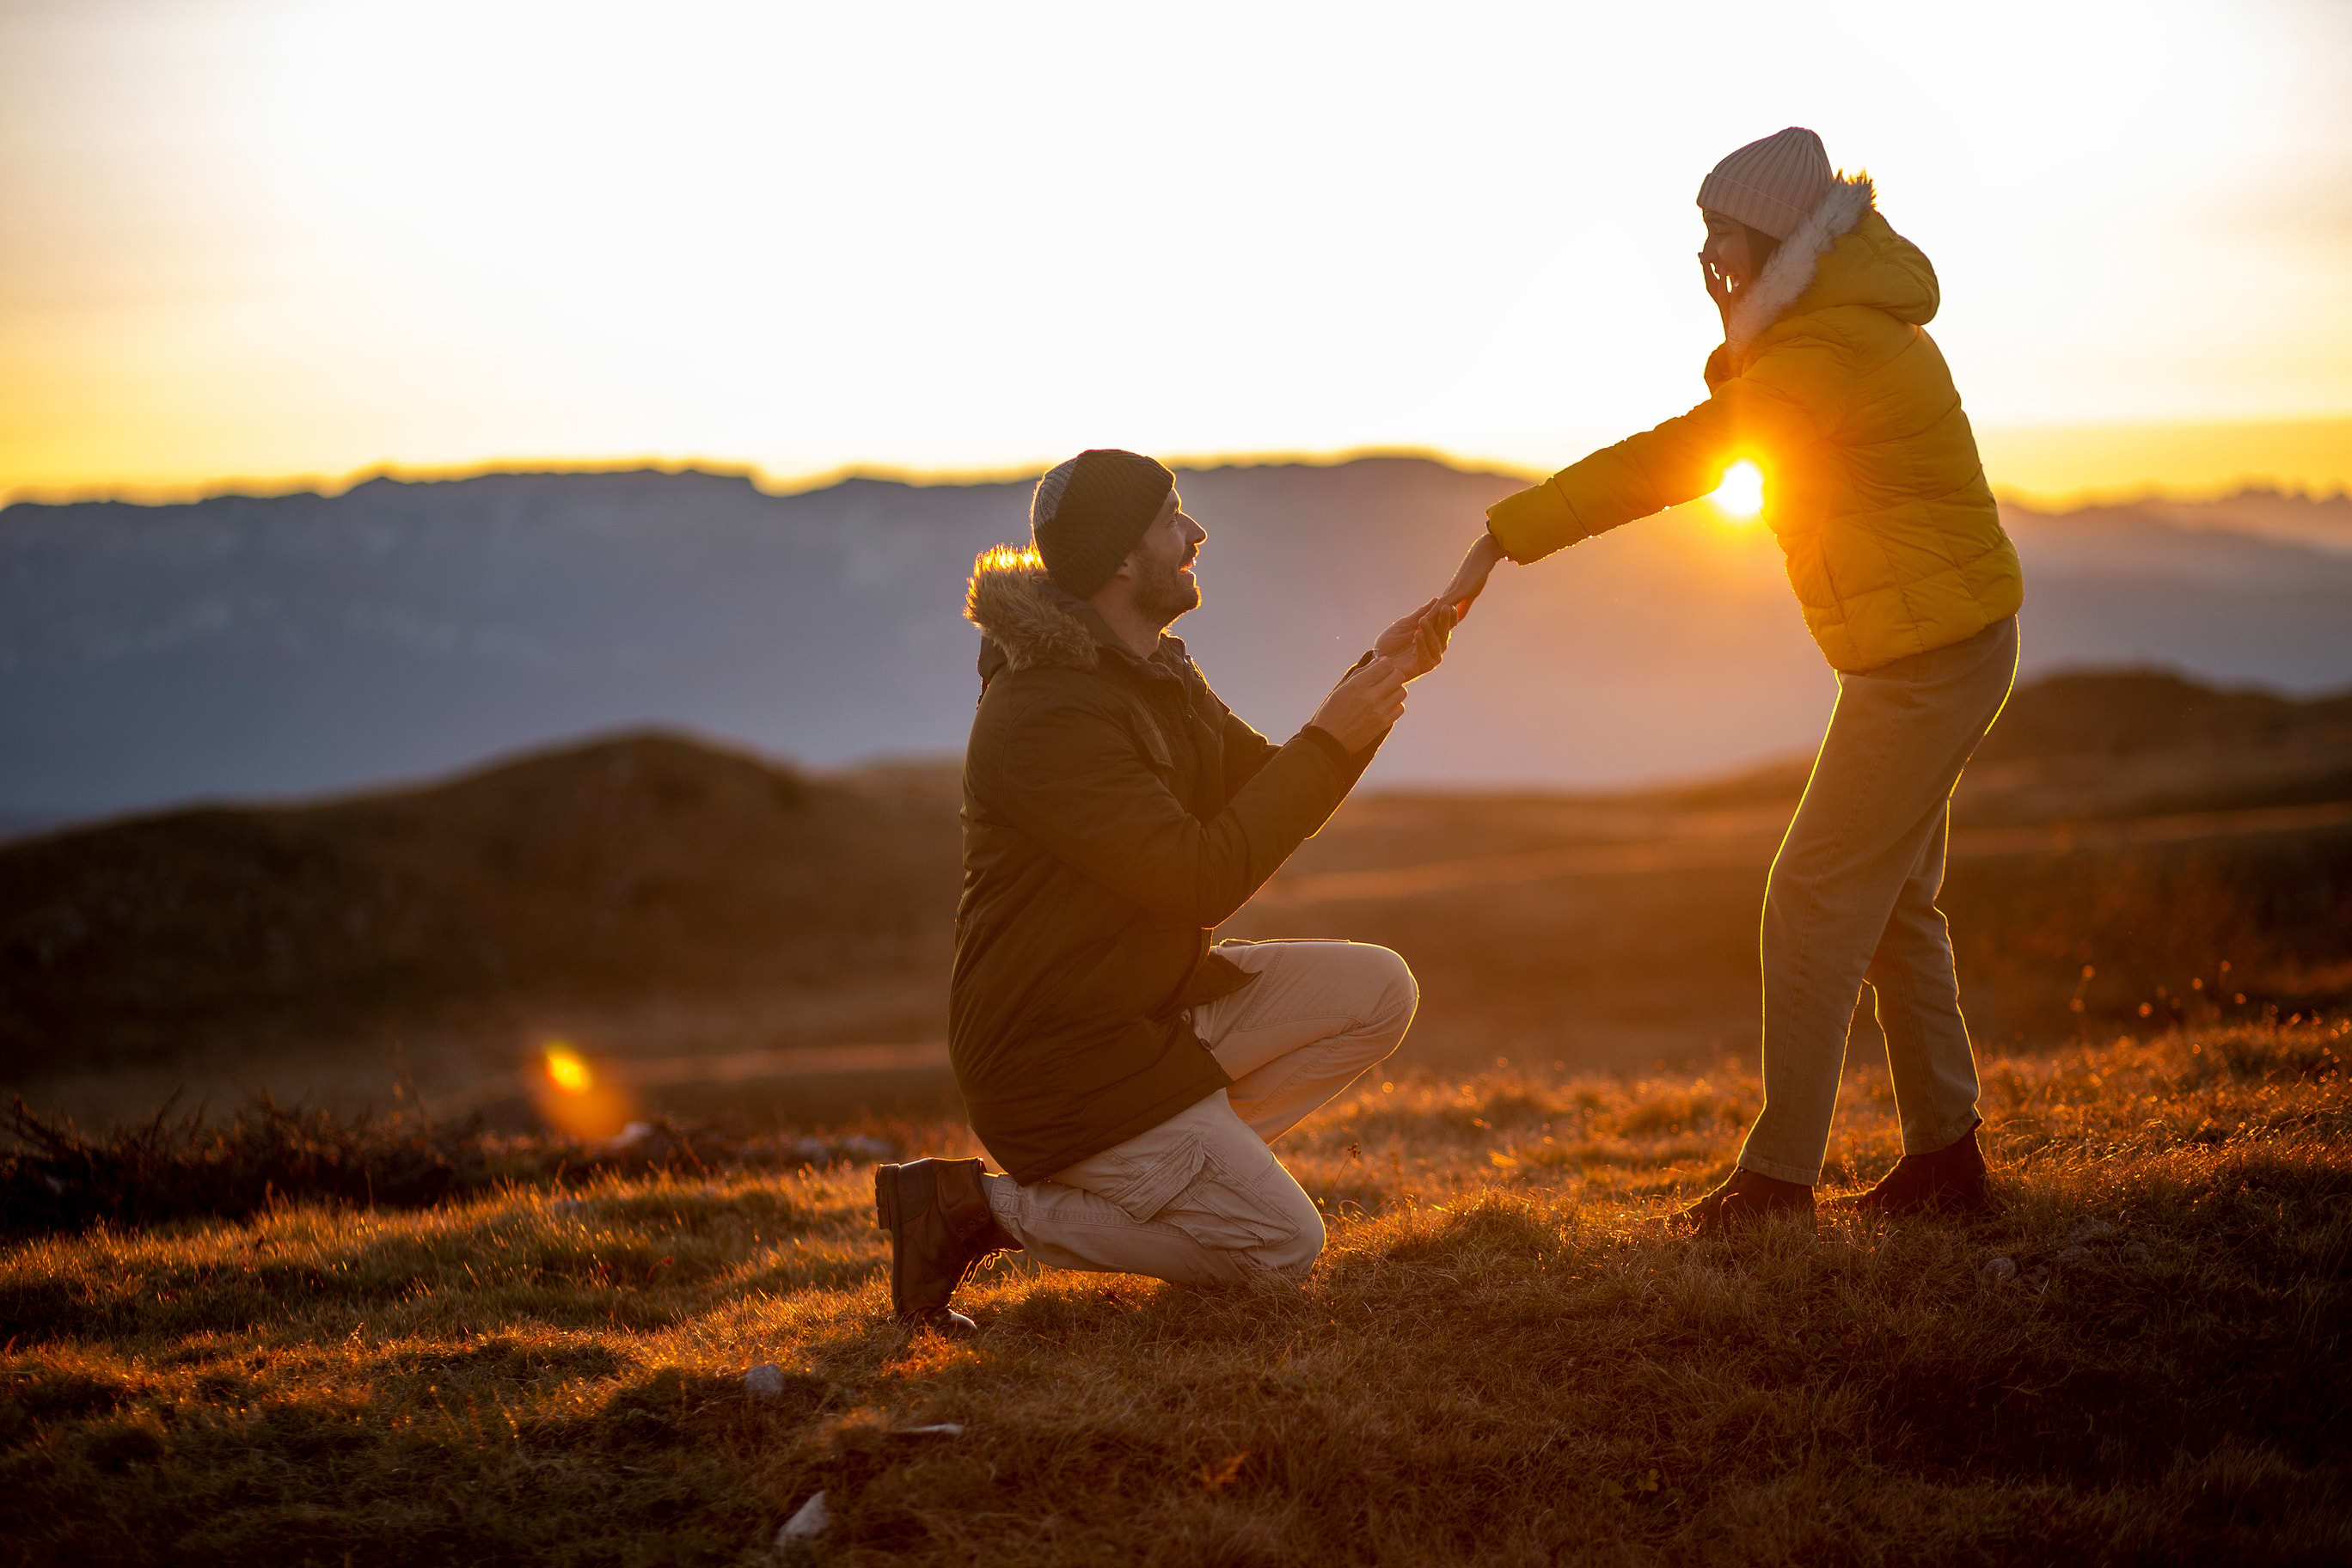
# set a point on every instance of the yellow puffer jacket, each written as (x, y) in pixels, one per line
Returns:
(1871, 477)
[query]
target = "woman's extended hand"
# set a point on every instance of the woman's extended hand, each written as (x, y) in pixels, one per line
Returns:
(1470, 579)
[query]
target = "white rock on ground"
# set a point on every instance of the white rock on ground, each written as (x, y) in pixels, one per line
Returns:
(1999, 1269)
(810, 1523)
(765, 1380)
(627, 1138)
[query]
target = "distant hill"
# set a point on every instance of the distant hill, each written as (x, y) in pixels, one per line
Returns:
(2121, 714)
(653, 870)
(643, 866)
(265, 648)
(2082, 746)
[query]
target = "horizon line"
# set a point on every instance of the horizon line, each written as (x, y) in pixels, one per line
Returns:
(759, 479)
(767, 483)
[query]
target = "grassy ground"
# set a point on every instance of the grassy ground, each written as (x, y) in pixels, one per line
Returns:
(1502, 1357)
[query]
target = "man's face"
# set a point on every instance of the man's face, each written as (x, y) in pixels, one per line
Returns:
(1164, 584)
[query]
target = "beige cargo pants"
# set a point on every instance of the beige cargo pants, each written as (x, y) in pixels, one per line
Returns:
(1853, 899)
(1200, 1199)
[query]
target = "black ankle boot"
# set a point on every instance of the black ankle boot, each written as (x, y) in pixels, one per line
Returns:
(940, 1226)
(1746, 1201)
(1950, 1180)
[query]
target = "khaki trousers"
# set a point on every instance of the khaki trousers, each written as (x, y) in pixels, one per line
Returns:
(1851, 900)
(1200, 1199)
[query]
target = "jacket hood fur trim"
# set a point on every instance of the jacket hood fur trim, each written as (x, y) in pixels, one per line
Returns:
(1017, 607)
(1790, 271)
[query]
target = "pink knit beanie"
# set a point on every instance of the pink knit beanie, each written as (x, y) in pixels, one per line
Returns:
(1773, 184)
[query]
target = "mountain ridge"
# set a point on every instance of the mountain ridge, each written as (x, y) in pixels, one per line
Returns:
(249, 646)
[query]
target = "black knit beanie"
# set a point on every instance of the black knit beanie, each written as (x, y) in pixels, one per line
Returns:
(1091, 512)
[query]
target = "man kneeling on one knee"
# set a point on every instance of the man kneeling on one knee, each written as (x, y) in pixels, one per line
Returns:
(1127, 1075)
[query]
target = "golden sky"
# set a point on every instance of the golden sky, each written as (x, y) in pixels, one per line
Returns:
(267, 241)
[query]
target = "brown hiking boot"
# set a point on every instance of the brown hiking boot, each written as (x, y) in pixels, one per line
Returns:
(940, 1224)
(1746, 1201)
(1950, 1180)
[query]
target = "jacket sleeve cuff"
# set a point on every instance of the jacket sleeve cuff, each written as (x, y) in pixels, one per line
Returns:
(1532, 524)
(1342, 758)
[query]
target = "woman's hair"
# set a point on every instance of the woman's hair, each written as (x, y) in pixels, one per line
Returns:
(1760, 246)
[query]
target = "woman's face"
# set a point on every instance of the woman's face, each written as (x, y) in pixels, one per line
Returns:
(1726, 252)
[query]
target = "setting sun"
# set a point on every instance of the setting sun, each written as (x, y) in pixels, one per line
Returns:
(566, 1071)
(1741, 495)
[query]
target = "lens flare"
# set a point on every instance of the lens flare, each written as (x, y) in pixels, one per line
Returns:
(570, 1095)
(1741, 494)
(566, 1071)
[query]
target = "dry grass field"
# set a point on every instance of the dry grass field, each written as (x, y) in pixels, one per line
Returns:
(1502, 1357)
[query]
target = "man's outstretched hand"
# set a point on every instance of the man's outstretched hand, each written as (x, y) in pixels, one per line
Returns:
(1365, 706)
(1368, 703)
(1416, 643)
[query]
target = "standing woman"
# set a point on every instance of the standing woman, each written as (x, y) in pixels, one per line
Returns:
(1826, 381)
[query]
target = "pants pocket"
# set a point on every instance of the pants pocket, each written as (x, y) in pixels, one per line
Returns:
(1231, 1209)
(1141, 1185)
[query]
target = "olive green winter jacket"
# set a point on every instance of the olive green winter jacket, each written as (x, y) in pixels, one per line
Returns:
(1114, 811)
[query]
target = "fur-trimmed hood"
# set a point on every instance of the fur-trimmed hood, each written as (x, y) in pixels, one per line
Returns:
(1842, 254)
(1029, 621)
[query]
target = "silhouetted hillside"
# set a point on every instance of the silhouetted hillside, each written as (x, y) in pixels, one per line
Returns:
(645, 865)
(656, 869)
(2129, 849)
(2085, 746)
(2112, 714)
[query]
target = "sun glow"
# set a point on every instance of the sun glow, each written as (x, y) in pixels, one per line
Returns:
(272, 239)
(1741, 495)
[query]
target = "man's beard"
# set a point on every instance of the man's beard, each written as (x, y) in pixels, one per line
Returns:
(1164, 593)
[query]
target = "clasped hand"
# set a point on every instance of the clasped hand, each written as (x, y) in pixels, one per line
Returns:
(1370, 699)
(1416, 643)
(1363, 706)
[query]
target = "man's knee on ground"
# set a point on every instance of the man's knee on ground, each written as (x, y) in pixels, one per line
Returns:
(1292, 1257)
(1289, 1247)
